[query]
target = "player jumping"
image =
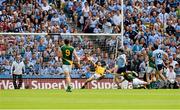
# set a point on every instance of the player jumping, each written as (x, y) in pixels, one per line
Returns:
(158, 56)
(120, 67)
(122, 71)
(99, 73)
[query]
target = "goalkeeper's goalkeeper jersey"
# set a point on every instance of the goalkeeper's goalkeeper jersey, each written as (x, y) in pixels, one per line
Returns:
(100, 70)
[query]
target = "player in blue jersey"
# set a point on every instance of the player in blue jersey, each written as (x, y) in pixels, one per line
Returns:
(120, 67)
(158, 56)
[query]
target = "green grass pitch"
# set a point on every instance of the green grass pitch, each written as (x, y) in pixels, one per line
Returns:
(90, 99)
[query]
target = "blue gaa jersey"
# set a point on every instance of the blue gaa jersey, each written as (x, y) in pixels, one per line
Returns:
(158, 55)
(121, 61)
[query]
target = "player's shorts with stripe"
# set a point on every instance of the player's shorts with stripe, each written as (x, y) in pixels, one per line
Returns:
(159, 66)
(67, 68)
(150, 70)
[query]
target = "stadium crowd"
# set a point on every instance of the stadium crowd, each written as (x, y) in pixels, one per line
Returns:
(146, 23)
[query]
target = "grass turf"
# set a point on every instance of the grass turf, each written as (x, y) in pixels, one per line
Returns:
(90, 99)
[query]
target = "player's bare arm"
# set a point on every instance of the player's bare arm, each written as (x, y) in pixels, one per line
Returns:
(76, 56)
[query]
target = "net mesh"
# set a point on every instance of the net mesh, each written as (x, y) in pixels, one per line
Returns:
(39, 51)
(104, 43)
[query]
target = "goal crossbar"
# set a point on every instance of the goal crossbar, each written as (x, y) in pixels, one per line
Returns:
(73, 34)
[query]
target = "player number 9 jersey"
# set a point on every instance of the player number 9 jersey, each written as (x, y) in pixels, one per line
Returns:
(67, 52)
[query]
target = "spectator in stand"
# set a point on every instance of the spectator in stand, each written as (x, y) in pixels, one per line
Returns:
(146, 23)
(171, 77)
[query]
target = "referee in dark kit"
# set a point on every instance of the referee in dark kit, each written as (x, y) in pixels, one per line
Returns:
(17, 69)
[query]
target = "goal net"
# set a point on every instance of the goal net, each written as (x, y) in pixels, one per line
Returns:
(38, 50)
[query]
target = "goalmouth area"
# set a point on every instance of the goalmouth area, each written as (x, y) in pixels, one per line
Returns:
(28, 99)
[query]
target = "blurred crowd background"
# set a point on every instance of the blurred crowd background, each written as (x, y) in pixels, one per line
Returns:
(146, 23)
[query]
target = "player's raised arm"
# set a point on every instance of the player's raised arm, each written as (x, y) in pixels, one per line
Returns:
(108, 71)
(90, 59)
(59, 53)
(165, 55)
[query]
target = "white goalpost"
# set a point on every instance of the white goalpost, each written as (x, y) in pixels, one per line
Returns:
(122, 24)
(122, 30)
